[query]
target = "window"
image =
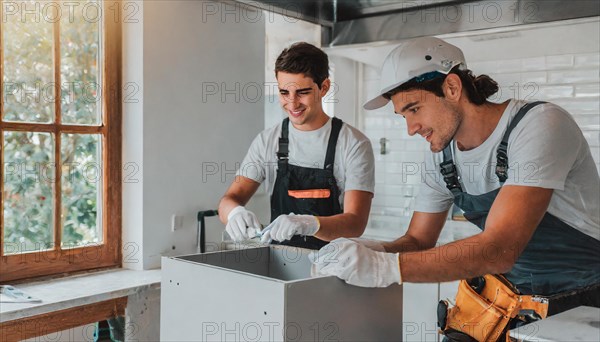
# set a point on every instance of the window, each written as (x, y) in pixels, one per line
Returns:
(60, 133)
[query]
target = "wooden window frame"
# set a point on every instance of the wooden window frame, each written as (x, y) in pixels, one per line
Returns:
(108, 253)
(58, 321)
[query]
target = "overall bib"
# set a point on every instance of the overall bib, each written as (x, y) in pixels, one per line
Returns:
(558, 257)
(302, 190)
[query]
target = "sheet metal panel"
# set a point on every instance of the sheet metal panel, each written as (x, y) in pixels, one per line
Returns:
(206, 303)
(328, 309)
(266, 294)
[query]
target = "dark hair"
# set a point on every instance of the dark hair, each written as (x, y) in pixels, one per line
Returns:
(478, 89)
(304, 58)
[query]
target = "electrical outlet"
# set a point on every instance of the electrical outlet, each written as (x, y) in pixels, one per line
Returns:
(176, 222)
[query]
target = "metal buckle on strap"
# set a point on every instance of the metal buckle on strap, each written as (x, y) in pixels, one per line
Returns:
(502, 162)
(448, 170)
(453, 186)
(538, 299)
(283, 152)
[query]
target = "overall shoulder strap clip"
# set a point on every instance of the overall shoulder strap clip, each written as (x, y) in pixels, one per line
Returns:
(502, 161)
(502, 151)
(283, 151)
(336, 127)
(449, 172)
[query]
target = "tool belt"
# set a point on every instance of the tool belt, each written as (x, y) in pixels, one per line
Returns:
(483, 309)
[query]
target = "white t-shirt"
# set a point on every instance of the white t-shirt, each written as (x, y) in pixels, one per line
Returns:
(354, 165)
(546, 149)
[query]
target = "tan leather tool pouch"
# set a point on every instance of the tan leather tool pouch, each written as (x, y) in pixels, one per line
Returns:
(482, 311)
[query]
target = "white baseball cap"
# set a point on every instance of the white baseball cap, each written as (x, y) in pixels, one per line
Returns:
(415, 58)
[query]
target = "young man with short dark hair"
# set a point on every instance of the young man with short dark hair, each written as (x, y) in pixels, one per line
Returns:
(319, 171)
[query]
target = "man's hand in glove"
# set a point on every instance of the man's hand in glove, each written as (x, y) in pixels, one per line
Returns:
(286, 226)
(240, 222)
(356, 264)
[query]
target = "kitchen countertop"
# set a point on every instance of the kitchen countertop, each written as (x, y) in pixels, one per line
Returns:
(578, 324)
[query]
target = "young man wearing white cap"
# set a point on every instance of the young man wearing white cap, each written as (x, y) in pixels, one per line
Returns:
(522, 172)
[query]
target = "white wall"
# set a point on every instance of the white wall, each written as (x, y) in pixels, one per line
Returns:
(344, 87)
(133, 142)
(199, 66)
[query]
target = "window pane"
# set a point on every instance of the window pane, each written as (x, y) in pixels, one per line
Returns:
(81, 189)
(28, 177)
(29, 88)
(79, 58)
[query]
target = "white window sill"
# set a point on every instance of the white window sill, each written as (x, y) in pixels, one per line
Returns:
(69, 292)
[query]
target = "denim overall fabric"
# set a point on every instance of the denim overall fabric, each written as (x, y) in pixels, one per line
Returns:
(558, 257)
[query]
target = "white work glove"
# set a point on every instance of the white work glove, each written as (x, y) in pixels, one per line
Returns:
(356, 264)
(241, 224)
(286, 226)
(371, 244)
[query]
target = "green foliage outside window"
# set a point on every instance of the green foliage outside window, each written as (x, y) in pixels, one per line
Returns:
(29, 157)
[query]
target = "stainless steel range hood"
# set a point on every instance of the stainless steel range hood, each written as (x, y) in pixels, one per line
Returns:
(329, 12)
(454, 18)
(362, 21)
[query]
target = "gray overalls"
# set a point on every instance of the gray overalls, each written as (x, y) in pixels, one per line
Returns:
(558, 257)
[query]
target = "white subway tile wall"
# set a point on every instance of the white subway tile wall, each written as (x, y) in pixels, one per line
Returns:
(569, 80)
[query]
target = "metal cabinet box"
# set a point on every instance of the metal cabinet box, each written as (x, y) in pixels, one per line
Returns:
(267, 294)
